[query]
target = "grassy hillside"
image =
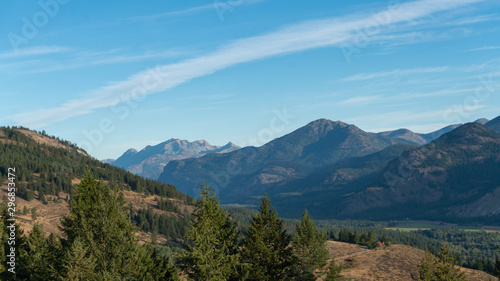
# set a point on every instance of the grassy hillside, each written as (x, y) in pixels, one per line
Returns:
(396, 262)
(48, 170)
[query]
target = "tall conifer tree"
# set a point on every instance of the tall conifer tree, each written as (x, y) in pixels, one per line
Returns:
(210, 251)
(310, 246)
(266, 252)
(100, 234)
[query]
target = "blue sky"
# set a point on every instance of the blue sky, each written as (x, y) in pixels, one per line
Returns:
(115, 75)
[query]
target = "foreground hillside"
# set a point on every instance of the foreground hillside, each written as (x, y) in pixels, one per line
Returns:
(48, 170)
(395, 262)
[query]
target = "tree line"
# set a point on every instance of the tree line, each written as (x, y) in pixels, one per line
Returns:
(98, 243)
(48, 170)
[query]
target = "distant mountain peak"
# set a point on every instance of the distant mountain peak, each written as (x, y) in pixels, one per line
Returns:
(229, 144)
(149, 162)
(405, 135)
(468, 133)
(324, 121)
(482, 121)
(131, 151)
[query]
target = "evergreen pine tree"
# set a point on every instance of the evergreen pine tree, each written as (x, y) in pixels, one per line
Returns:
(54, 256)
(266, 252)
(498, 268)
(35, 263)
(18, 243)
(154, 237)
(371, 238)
(354, 237)
(33, 214)
(344, 235)
(100, 234)
(157, 267)
(79, 263)
(210, 251)
(334, 272)
(442, 268)
(310, 245)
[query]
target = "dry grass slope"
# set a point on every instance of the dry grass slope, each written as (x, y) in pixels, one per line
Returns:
(50, 214)
(396, 262)
(45, 140)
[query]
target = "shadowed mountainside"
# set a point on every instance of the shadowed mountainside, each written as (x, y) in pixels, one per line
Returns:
(252, 171)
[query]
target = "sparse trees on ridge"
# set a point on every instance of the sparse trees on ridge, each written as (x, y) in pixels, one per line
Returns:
(443, 268)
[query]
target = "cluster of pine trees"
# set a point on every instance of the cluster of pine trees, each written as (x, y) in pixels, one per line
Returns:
(98, 243)
(170, 226)
(365, 239)
(48, 170)
(439, 268)
(214, 251)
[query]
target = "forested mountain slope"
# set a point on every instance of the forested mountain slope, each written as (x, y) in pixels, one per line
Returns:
(47, 170)
(455, 176)
(252, 171)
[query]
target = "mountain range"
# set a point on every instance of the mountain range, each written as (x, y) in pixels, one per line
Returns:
(150, 161)
(338, 170)
(251, 171)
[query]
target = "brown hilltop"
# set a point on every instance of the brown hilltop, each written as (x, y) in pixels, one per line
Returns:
(395, 262)
(41, 139)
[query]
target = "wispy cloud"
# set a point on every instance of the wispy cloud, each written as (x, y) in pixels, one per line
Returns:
(290, 39)
(474, 20)
(396, 72)
(362, 100)
(440, 93)
(487, 48)
(196, 10)
(188, 11)
(398, 119)
(33, 51)
(79, 59)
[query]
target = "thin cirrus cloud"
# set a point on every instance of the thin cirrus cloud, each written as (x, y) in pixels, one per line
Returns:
(215, 6)
(396, 72)
(33, 51)
(83, 59)
(487, 48)
(290, 39)
(396, 119)
(361, 100)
